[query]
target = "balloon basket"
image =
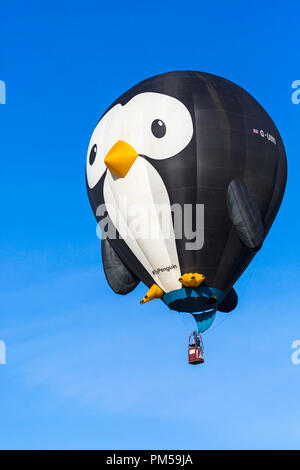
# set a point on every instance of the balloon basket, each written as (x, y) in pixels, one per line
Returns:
(195, 353)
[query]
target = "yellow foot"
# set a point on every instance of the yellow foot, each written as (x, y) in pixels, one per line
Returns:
(154, 292)
(191, 279)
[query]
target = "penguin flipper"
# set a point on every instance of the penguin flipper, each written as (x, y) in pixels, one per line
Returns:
(229, 302)
(119, 277)
(245, 215)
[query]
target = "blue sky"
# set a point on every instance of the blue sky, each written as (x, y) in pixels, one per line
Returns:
(79, 373)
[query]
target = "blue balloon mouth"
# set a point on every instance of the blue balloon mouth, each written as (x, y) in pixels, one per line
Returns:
(202, 302)
(193, 299)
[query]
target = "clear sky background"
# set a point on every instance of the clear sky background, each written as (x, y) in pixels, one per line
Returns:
(87, 368)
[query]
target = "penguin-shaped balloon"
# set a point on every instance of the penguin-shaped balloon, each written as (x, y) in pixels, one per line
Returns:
(185, 174)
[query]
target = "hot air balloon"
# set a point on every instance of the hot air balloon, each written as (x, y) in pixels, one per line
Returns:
(207, 168)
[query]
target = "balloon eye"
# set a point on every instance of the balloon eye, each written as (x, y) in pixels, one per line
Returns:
(158, 128)
(93, 154)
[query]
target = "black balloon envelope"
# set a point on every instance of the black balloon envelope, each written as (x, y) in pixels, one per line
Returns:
(185, 174)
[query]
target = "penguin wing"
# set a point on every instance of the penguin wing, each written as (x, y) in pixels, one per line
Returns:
(245, 215)
(229, 302)
(119, 277)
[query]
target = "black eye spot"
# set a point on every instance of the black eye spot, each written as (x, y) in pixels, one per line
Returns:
(158, 128)
(93, 154)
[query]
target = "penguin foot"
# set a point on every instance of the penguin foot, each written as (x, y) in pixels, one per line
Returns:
(154, 292)
(191, 279)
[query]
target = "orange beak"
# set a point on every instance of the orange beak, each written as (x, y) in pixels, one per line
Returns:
(120, 158)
